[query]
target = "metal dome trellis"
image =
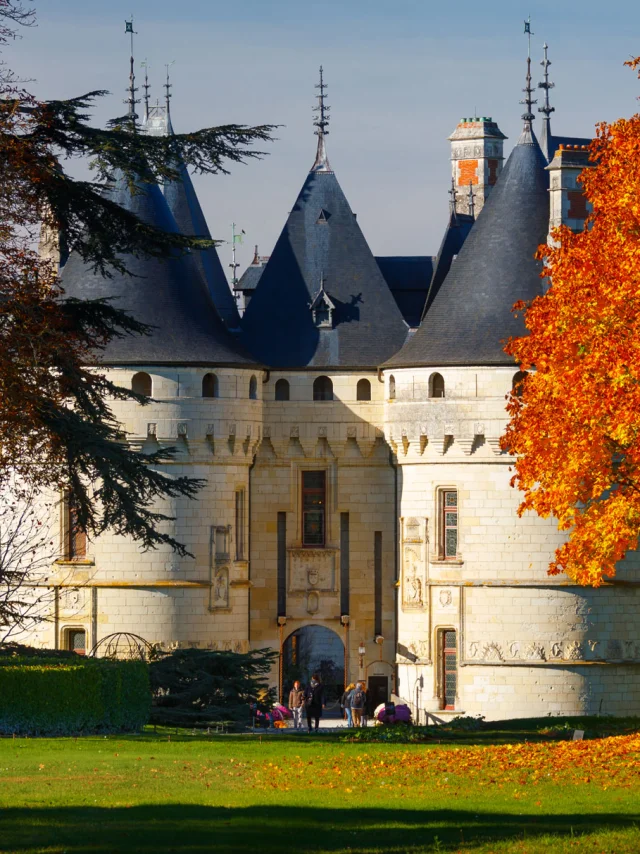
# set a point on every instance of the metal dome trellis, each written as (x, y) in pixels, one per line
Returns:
(123, 645)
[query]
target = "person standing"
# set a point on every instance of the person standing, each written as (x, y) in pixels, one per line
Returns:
(314, 701)
(358, 703)
(345, 703)
(296, 704)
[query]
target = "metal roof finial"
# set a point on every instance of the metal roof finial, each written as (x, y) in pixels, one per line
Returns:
(472, 202)
(146, 88)
(546, 108)
(321, 123)
(167, 87)
(453, 197)
(528, 101)
(131, 100)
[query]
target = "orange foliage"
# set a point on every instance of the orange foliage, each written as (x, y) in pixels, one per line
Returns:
(576, 428)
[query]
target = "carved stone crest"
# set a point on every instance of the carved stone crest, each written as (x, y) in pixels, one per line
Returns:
(312, 568)
(446, 597)
(492, 652)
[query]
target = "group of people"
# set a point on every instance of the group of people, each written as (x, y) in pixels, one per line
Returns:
(311, 700)
(355, 704)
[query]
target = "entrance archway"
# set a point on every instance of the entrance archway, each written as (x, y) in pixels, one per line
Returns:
(314, 649)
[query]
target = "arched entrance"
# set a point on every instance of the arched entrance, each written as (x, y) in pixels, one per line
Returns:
(314, 649)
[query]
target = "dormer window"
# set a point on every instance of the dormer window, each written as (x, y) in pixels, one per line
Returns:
(322, 309)
(324, 217)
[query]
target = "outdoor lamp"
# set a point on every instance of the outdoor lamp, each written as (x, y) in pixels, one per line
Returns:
(361, 651)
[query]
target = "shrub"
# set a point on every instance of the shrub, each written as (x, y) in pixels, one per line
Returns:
(44, 696)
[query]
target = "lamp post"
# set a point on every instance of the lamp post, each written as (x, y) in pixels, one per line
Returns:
(361, 652)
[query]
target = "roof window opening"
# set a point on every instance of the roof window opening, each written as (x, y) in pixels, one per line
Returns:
(324, 217)
(322, 309)
(517, 383)
(363, 390)
(392, 388)
(253, 389)
(322, 389)
(141, 384)
(282, 390)
(436, 385)
(210, 386)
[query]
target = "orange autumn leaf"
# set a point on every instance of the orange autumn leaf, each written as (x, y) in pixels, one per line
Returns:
(575, 430)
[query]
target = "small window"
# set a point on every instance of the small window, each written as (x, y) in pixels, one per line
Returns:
(282, 390)
(240, 523)
(322, 389)
(392, 388)
(141, 384)
(449, 516)
(363, 390)
(210, 385)
(75, 547)
(77, 641)
(253, 389)
(313, 508)
(517, 383)
(448, 648)
(436, 385)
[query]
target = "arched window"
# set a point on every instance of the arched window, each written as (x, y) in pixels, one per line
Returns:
(322, 389)
(392, 388)
(253, 389)
(436, 385)
(282, 390)
(141, 383)
(210, 386)
(517, 383)
(363, 391)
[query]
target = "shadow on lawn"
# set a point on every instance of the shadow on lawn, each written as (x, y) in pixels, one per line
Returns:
(184, 827)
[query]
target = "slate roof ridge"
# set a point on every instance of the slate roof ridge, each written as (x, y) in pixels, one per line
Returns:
(471, 314)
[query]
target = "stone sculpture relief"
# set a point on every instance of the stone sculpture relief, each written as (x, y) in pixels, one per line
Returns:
(412, 589)
(221, 588)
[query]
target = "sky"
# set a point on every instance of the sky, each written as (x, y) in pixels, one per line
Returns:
(400, 75)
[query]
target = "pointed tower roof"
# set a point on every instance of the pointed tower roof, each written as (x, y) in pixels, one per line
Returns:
(457, 231)
(322, 248)
(166, 293)
(185, 207)
(471, 314)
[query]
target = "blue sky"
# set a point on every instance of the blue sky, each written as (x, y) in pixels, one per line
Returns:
(400, 75)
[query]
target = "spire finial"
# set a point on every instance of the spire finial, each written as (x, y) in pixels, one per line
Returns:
(453, 197)
(131, 100)
(167, 87)
(321, 123)
(528, 101)
(146, 86)
(546, 109)
(472, 202)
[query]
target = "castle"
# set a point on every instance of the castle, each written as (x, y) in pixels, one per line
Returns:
(357, 514)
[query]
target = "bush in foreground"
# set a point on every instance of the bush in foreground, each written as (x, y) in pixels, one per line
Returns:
(45, 696)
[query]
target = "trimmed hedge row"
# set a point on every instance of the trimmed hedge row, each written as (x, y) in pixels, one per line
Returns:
(49, 697)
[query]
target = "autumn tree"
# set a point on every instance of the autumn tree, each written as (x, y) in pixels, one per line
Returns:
(576, 427)
(56, 426)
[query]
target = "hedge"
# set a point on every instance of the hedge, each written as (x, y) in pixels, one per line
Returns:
(49, 697)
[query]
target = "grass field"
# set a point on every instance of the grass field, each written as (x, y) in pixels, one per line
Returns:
(505, 790)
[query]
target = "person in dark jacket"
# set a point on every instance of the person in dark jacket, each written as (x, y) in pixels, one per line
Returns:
(314, 701)
(345, 703)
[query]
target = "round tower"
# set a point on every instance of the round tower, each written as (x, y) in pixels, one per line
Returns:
(482, 628)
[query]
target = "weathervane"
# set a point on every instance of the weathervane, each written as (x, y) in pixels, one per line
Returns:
(528, 116)
(131, 100)
(321, 123)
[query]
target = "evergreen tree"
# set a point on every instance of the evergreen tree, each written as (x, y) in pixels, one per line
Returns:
(56, 426)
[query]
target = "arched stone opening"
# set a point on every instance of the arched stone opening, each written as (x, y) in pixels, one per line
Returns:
(314, 649)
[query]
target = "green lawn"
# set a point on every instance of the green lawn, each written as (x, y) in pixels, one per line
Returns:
(493, 791)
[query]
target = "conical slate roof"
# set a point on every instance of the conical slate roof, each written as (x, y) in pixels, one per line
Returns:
(185, 207)
(322, 249)
(457, 231)
(166, 293)
(471, 315)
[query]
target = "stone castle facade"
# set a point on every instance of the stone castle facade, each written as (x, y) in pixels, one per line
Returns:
(347, 427)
